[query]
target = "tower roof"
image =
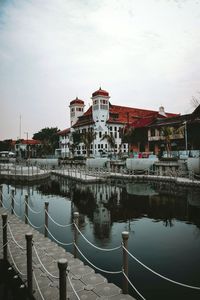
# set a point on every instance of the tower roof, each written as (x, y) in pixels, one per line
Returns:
(76, 101)
(100, 92)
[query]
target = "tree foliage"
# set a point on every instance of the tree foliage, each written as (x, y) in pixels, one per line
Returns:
(6, 145)
(87, 138)
(166, 133)
(49, 139)
(110, 140)
(75, 140)
(128, 136)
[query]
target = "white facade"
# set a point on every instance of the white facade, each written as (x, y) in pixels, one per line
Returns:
(99, 124)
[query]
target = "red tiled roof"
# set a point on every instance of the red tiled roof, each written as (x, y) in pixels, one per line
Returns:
(27, 142)
(77, 101)
(63, 132)
(124, 115)
(100, 92)
(85, 119)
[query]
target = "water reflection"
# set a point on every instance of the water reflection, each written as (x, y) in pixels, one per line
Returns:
(121, 201)
(163, 221)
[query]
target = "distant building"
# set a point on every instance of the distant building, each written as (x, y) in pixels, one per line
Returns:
(24, 148)
(184, 136)
(107, 120)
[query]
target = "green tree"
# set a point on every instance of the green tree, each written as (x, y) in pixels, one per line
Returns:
(128, 136)
(49, 138)
(87, 138)
(6, 145)
(74, 141)
(110, 140)
(167, 134)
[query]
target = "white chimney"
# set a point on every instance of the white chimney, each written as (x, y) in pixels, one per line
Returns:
(162, 111)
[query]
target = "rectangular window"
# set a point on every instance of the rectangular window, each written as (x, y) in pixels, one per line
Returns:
(101, 146)
(115, 134)
(95, 107)
(100, 134)
(104, 101)
(102, 106)
(152, 132)
(110, 128)
(115, 128)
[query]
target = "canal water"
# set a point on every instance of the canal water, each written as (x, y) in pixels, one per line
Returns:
(163, 221)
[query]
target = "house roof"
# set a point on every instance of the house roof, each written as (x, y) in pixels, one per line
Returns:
(77, 101)
(100, 92)
(173, 121)
(63, 132)
(27, 142)
(124, 115)
(86, 119)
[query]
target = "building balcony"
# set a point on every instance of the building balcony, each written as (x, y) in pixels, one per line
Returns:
(177, 136)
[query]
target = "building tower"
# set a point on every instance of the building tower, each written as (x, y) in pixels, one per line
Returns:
(100, 106)
(76, 110)
(100, 115)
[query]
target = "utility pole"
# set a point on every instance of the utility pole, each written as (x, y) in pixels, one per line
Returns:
(27, 146)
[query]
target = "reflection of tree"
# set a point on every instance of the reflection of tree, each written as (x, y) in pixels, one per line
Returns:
(84, 201)
(102, 222)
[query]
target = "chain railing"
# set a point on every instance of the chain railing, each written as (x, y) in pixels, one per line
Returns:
(124, 247)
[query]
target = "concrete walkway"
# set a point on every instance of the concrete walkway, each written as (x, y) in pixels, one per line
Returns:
(88, 284)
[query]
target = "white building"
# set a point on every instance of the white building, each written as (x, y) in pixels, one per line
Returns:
(107, 121)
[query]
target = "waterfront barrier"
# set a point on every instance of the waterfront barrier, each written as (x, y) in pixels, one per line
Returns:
(76, 249)
(87, 174)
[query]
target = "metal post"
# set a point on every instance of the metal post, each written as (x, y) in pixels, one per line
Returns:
(1, 195)
(76, 217)
(5, 238)
(26, 209)
(125, 236)
(29, 237)
(62, 266)
(186, 138)
(46, 219)
(12, 201)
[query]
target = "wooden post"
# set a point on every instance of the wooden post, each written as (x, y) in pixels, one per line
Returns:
(125, 236)
(12, 201)
(62, 266)
(46, 204)
(76, 217)
(1, 195)
(5, 238)
(26, 209)
(29, 237)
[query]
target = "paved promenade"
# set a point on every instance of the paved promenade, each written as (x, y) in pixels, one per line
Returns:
(82, 281)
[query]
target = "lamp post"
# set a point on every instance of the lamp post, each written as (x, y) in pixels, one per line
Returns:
(186, 137)
(27, 144)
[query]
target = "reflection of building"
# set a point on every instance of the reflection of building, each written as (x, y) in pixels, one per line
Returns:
(101, 221)
(140, 189)
(193, 198)
(106, 119)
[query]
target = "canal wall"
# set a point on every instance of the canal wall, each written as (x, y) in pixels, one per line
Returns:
(87, 175)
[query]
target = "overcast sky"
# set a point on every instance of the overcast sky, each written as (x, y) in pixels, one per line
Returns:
(145, 53)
